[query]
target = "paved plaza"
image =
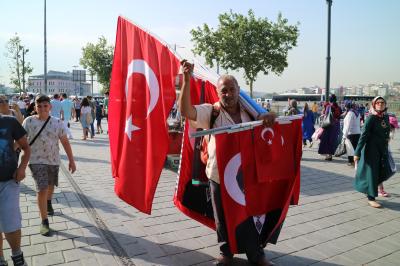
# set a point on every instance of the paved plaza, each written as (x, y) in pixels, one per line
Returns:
(331, 226)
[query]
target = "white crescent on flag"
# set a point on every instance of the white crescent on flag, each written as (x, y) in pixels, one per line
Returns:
(141, 67)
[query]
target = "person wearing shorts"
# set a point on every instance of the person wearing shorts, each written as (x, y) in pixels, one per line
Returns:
(45, 159)
(11, 174)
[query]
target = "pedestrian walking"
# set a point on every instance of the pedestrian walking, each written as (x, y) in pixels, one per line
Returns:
(308, 125)
(77, 106)
(99, 116)
(56, 106)
(371, 154)
(44, 133)
(329, 137)
(92, 105)
(351, 131)
(85, 117)
(67, 108)
(11, 174)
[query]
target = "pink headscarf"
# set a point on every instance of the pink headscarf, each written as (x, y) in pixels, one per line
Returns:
(373, 111)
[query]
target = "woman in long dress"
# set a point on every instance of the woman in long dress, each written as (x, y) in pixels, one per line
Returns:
(308, 125)
(371, 153)
(329, 137)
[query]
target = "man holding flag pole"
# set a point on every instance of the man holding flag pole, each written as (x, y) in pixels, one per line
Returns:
(229, 112)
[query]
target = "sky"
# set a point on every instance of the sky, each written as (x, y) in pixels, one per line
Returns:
(365, 36)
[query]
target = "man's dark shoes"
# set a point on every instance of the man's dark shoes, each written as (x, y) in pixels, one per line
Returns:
(50, 210)
(45, 228)
(19, 260)
(223, 260)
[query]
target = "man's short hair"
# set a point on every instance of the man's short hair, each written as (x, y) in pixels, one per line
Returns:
(228, 77)
(64, 95)
(42, 98)
(55, 96)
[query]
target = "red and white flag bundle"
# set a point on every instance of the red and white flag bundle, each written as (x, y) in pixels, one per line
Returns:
(259, 177)
(142, 93)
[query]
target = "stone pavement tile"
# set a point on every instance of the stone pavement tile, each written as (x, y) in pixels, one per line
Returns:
(60, 245)
(48, 259)
(134, 249)
(182, 246)
(190, 258)
(78, 254)
(103, 255)
(389, 260)
(328, 249)
(208, 240)
(290, 260)
(299, 243)
(337, 260)
(38, 239)
(357, 257)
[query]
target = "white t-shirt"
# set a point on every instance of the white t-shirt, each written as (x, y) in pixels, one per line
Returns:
(203, 121)
(21, 104)
(45, 149)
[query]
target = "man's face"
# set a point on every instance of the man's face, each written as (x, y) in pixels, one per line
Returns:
(228, 92)
(43, 108)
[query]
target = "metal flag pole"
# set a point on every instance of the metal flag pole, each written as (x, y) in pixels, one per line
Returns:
(243, 126)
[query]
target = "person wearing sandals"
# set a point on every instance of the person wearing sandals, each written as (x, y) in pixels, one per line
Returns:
(371, 154)
(330, 135)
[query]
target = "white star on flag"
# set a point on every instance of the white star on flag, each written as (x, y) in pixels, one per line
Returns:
(129, 127)
(269, 142)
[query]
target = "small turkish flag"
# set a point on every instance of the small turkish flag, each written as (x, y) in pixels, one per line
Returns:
(142, 93)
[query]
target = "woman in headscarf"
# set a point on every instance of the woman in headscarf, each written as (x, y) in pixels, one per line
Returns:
(371, 153)
(329, 137)
(351, 129)
(308, 125)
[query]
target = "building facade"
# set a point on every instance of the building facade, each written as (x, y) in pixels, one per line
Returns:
(59, 82)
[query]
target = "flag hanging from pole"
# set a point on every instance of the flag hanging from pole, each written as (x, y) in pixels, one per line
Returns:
(142, 93)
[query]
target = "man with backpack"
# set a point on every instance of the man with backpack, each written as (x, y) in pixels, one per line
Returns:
(227, 111)
(11, 174)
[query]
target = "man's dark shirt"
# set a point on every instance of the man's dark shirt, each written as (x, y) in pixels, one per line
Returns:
(10, 131)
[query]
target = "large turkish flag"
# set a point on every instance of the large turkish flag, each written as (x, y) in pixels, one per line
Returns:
(142, 93)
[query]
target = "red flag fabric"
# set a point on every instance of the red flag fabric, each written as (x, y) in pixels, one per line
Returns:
(276, 160)
(142, 93)
(194, 201)
(255, 207)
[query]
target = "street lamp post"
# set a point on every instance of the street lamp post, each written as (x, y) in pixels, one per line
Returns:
(328, 57)
(45, 51)
(24, 51)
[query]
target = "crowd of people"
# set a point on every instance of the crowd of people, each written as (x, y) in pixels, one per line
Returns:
(31, 129)
(363, 130)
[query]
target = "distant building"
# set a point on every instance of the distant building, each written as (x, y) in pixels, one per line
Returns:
(59, 82)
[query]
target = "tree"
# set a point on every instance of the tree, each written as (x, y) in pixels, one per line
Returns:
(98, 58)
(18, 66)
(246, 42)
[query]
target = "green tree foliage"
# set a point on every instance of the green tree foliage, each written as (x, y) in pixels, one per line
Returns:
(18, 65)
(98, 58)
(246, 42)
